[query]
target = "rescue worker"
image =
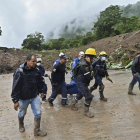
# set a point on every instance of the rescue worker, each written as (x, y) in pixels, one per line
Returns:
(27, 84)
(83, 78)
(58, 60)
(76, 60)
(5, 52)
(58, 81)
(136, 74)
(42, 71)
(100, 71)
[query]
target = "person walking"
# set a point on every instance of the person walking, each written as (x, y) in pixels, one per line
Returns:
(42, 71)
(136, 75)
(83, 76)
(58, 60)
(5, 52)
(76, 60)
(100, 71)
(27, 84)
(58, 81)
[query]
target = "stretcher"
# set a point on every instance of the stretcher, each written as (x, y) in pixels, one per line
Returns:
(72, 88)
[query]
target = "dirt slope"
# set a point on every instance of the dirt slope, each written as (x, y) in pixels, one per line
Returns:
(126, 44)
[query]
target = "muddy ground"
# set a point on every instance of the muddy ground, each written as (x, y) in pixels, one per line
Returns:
(116, 119)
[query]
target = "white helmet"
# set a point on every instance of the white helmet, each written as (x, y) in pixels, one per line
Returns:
(81, 53)
(61, 54)
(39, 59)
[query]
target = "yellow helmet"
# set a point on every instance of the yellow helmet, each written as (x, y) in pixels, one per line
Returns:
(90, 51)
(103, 53)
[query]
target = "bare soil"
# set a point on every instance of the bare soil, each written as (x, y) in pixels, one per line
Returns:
(116, 119)
(130, 43)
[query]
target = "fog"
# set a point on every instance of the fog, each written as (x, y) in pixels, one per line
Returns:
(50, 17)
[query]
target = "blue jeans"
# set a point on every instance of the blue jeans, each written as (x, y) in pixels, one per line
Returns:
(135, 80)
(35, 105)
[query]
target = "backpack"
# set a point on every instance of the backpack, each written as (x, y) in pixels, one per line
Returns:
(76, 68)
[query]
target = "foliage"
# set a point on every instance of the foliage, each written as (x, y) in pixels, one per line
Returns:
(131, 10)
(62, 43)
(107, 19)
(49, 57)
(112, 21)
(33, 41)
(127, 24)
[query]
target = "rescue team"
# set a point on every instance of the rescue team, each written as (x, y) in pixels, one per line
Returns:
(28, 83)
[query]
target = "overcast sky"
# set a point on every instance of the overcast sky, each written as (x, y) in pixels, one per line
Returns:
(18, 18)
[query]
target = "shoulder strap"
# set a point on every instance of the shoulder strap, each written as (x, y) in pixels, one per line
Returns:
(83, 63)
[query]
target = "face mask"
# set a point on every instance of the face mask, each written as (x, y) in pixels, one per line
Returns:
(103, 58)
(38, 64)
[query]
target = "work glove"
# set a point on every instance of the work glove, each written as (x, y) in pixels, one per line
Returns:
(107, 77)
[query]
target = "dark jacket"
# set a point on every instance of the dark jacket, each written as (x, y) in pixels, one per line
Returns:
(58, 73)
(84, 73)
(27, 83)
(136, 65)
(42, 70)
(99, 68)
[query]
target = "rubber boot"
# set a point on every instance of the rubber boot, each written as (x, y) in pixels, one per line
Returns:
(88, 113)
(73, 104)
(92, 88)
(101, 94)
(37, 131)
(130, 88)
(50, 100)
(64, 103)
(21, 124)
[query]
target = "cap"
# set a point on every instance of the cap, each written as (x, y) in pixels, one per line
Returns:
(63, 57)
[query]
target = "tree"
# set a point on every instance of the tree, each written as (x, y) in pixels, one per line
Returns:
(129, 24)
(107, 19)
(33, 41)
(131, 10)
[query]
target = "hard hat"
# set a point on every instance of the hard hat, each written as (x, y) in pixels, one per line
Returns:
(102, 53)
(81, 53)
(39, 59)
(90, 51)
(61, 54)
